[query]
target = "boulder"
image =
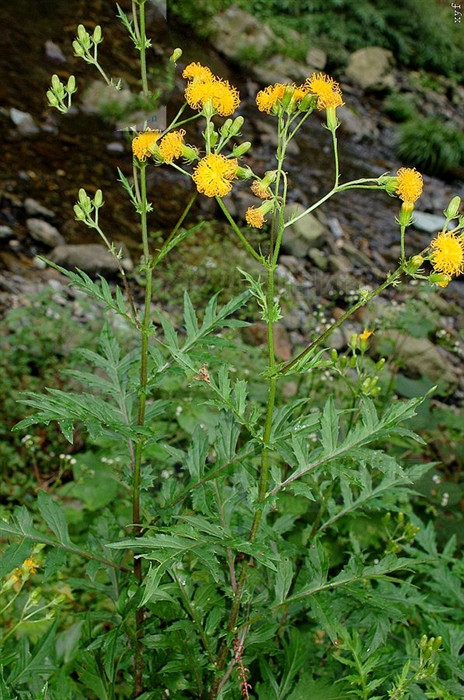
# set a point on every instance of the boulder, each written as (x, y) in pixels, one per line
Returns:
(429, 223)
(45, 233)
(236, 31)
(304, 235)
(92, 258)
(316, 58)
(370, 68)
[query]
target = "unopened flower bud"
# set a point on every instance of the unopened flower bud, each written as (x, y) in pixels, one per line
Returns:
(225, 128)
(176, 54)
(236, 126)
(78, 49)
(190, 153)
(332, 121)
(405, 217)
(389, 183)
(79, 213)
(452, 210)
(52, 99)
(243, 172)
(71, 86)
(440, 278)
(56, 82)
(414, 264)
(241, 149)
(81, 32)
(98, 199)
(97, 35)
(308, 103)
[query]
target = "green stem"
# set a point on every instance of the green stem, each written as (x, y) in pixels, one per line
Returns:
(145, 333)
(143, 50)
(337, 166)
(247, 245)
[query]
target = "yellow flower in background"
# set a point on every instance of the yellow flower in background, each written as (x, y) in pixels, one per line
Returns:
(224, 97)
(269, 97)
(195, 71)
(214, 174)
(171, 145)
(409, 185)
(447, 254)
(365, 335)
(326, 89)
(143, 142)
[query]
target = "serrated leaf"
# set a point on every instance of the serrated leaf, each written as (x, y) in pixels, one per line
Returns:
(190, 319)
(284, 578)
(54, 517)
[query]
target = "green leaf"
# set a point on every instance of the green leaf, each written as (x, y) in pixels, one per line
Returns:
(54, 517)
(190, 319)
(14, 556)
(39, 661)
(284, 579)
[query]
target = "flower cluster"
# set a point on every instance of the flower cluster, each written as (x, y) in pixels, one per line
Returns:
(214, 174)
(29, 567)
(208, 93)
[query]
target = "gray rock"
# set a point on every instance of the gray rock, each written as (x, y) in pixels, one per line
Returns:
(236, 31)
(429, 223)
(318, 258)
(422, 358)
(316, 58)
(34, 208)
(356, 125)
(370, 68)
(92, 258)
(5, 232)
(281, 69)
(304, 234)
(23, 122)
(53, 52)
(98, 95)
(44, 232)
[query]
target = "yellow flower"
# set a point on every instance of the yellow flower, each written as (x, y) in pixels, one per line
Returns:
(447, 253)
(171, 145)
(224, 97)
(214, 174)
(254, 217)
(365, 334)
(410, 184)
(269, 97)
(143, 142)
(325, 88)
(260, 189)
(195, 71)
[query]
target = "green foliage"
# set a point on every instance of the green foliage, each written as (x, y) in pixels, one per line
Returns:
(341, 26)
(431, 146)
(400, 107)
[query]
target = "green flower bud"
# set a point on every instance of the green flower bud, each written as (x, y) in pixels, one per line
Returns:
(98, 199)
(453, 207)
(440, 278)
(85, 201)
(225, 128)
(236, 126)
(97, 35)
(71, 86)
(78, 49)
(308, 103)
(56, 82)
(244, 172)
(241, 149)
(176, 54)
(405, 217)
(52, 99)
(79, 213)
(82, 32)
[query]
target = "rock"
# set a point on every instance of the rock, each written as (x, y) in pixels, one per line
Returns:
(24, 122)
(92, 258)
(280, 69)
(316, 58)
(237, 31)
(420, 357)
(304, 234)
(44, 232)
(356, 125)
(370, 68)
(5, 232)
(53, 52)
(318, 258)
(34, 208)
(115, 147)
(99, 95)
(429, 223)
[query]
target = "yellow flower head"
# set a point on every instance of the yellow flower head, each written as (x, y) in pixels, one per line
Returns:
(254, 217)
(269, 97)
(195, 71)
(214, 174)
(447, 253)
(260, 190)
(143, 142)
(171, 145)
(410, 185)
(224, 97)
(325, 88)
(365, 334)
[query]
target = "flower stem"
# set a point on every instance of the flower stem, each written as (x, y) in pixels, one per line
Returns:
(143, 50)
(145, 332)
